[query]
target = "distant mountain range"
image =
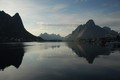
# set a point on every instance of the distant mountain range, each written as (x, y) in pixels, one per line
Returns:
(12, 29)
(91, 31)
(47, 36)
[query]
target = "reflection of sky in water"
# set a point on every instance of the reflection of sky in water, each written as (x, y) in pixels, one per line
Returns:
(49, 50)
(55, 61)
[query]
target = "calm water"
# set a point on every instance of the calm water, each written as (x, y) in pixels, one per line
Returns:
(58, 61)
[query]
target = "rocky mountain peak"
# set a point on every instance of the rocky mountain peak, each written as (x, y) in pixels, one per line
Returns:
(90, 31)
(12, 29)
(90, 23)
(17, 20)
(16, 15)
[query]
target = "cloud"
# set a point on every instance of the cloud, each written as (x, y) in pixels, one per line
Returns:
(112, 20)
(80, 1)
(115, 14)
(59, 7)
(111, 4)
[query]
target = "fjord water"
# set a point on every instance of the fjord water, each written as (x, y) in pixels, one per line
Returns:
(58, 61)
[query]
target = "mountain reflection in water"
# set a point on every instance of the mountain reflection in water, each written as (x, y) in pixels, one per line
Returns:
(89, 51)
(58, 61)
(11, 54)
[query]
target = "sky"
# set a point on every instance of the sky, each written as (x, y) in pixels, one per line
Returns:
(63, 16)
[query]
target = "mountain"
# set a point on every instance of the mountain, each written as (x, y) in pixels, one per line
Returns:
(12, 29)
(112, 32)
(47, 36)
(90, 31)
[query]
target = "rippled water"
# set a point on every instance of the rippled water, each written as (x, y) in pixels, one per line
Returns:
(58, 61)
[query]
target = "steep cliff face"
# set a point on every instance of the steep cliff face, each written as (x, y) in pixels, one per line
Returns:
(90, 31)
(12, 29)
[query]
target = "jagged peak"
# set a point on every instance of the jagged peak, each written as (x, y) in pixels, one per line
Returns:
(17, 14)
(3, 13)
(17, 18)
(90, 23)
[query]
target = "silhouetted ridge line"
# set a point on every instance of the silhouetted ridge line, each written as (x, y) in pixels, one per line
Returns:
(91, 31)
(12, 29)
